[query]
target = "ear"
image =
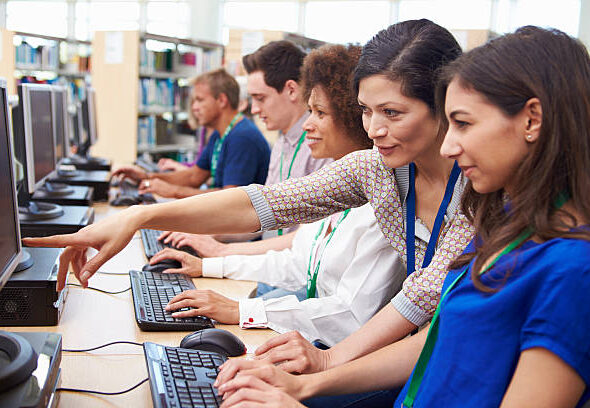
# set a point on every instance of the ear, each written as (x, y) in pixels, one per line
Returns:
(533, 114)
(222, 100)
(292, 90)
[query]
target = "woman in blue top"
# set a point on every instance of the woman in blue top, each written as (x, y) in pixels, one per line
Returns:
(512, 326)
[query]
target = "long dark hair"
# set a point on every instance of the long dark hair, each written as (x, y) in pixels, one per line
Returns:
(508, 71)
(412, 52)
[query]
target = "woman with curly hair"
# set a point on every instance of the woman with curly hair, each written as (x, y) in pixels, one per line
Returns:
(344, 261)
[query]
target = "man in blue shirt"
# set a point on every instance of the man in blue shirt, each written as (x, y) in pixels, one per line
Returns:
(237, 153)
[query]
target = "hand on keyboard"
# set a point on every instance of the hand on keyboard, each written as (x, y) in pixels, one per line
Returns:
(205, 245)
(205, 303)
(190, 265)
(159, 187)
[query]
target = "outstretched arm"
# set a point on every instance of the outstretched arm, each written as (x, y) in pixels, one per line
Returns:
(225, 211)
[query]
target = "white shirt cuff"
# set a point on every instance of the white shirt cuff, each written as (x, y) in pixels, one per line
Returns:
(252, 313)
(213, 267)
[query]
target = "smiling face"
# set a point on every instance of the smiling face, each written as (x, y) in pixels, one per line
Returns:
(274, 109)
(325, 137)
(403, 128)
(488, 145)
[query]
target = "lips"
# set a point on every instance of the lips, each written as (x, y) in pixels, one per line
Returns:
(385, 150)
(467, 170)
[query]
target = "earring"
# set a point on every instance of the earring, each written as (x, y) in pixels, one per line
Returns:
(529, 137)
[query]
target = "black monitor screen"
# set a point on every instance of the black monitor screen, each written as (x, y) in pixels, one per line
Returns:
(60, 129)
(42, 133)
(9, 239)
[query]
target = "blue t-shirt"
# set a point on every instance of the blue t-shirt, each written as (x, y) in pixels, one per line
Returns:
(543, 303)
(243, 158)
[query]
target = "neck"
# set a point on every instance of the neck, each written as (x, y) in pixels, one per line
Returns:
(224, 120)
(297, 112)
(432, 168)
(347, 147)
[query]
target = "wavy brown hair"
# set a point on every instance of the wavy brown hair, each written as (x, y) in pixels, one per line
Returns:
(330, 67)
(508, 71)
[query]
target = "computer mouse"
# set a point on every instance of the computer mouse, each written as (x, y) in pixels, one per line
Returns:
(147, 198)
(216, 340)
(162, 266)
(124, 200)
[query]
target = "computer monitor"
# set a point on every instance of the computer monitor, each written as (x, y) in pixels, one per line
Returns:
(61, 121)
(19, 359)
(88, 122)
(35, 148)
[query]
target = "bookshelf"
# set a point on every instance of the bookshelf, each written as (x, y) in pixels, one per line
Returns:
(148, 77)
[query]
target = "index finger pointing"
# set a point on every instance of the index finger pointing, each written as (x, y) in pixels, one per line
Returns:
(55, 241)
(272, 343)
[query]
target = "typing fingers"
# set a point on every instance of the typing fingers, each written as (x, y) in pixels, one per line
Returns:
(166, 253)
(274, 342)
(230, 368)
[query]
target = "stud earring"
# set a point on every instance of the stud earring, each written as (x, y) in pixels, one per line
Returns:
(529, 137)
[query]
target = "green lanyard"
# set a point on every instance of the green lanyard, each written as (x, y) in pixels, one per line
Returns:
(301, 139)
(218, 145)
(312, 279)
(426, 353)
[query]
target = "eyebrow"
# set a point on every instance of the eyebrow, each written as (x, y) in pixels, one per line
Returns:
(381, 105)
(457, 112)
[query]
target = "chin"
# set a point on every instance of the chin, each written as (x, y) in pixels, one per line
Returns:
(395, 161)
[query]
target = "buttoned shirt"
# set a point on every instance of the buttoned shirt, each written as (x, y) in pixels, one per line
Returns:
(358, 274)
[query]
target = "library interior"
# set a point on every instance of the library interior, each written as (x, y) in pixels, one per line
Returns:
(287, 203)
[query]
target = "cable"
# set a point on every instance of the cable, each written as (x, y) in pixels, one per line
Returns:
(101, 346)
(100, 290)
(113, 273)
(101, 392)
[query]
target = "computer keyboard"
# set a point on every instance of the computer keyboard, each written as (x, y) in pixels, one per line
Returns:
(129, 195)
(148, 166)
(182, 378)
(151, 293)
(151, 244)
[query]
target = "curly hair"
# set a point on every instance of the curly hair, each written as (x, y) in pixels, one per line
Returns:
(331, 67)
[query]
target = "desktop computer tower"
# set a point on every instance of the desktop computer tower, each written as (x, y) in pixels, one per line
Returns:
(29, 298)
(99, 180)
(73, 219)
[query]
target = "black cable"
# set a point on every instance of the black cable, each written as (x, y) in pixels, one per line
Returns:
(101, 392)
(101, 346)
(100, 290)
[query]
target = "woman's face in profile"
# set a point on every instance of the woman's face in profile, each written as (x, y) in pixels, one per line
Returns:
(487, 144)
(402, 128)
(325, 137)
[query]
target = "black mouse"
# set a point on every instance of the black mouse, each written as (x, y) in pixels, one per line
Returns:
(124, 200)
(216, 340)
(162, 266)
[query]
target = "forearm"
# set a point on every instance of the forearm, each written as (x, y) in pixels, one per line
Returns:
(227, 211)
(386, 327)
(258, 247)
(386, 368)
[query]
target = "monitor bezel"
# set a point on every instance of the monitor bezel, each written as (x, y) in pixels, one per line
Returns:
(13, 263)
(58, 91)
(28, 134)
(91, 103)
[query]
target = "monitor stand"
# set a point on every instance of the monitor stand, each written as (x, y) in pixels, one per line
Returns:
(56, 189)
(18, 361)
(87, 162)
(74, 218)
(26, 261)
(38, 388)
(37, 211)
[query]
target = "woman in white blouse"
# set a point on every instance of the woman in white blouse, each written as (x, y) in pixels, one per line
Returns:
(356, 268)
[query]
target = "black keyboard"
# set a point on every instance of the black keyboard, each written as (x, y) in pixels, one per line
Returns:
(182, 378)
(151, 245)
(128, 189)
(151, 293)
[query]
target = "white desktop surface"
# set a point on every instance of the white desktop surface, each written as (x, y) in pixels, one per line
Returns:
(92, 318)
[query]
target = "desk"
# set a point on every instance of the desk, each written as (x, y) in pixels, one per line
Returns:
(91, 318)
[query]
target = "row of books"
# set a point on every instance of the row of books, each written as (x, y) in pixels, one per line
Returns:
(157, 94)
(41, 57)
(188, 63)
(153, 130)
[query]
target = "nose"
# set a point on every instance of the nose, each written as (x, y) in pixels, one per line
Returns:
(255, 109)
(450, 147)
(308, 124)
(375, 127)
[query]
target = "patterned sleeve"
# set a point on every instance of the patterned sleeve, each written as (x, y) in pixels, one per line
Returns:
(421, 292)
(329, 190)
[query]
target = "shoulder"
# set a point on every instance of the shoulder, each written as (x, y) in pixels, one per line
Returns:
(565, 255)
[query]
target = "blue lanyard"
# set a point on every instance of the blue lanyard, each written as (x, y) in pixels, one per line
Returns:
(411, 218)
(217, 147)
